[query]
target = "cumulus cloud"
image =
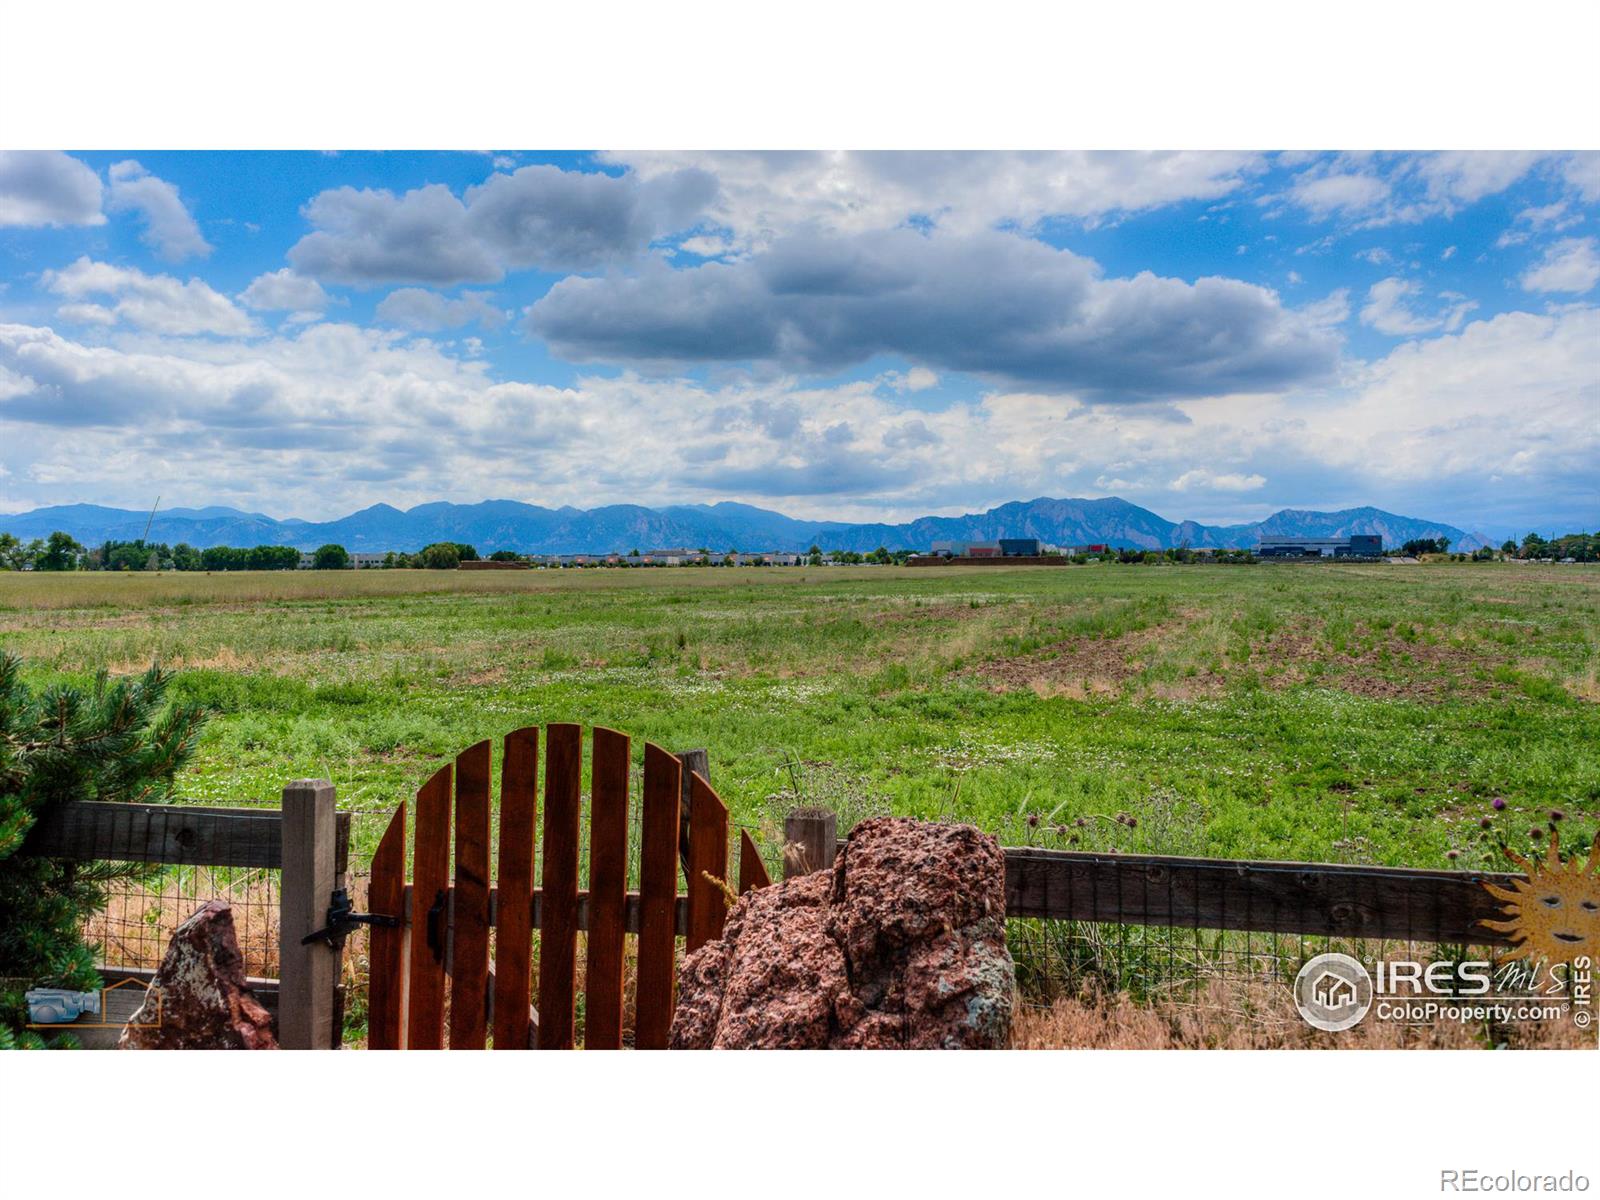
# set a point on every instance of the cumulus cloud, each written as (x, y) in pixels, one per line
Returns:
(1391, 308)
(169, 229)
(1370, 190)
(764, 195)
(1570, 265)
(1338, 194)
(46, 187)
(424, 311)
(158, 303)
(537, 217)
(1201, 480)
(284, 291)
(995, 304)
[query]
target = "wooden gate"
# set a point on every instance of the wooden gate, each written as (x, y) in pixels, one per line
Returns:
(435, 980)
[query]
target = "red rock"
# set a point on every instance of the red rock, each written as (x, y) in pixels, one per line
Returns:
(901, 945)
(198, 1000)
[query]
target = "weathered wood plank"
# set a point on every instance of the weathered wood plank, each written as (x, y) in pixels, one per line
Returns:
(708, 865)
(469, 943)
(658, 897)
(810, 837)
(386, 975)
(632, 908)
(307, 973)
(608, 887)
(752, 871)
(430, 879)
(558, 935)
(693, 761)
(1266, 897)
(159, 833)
(513, 937)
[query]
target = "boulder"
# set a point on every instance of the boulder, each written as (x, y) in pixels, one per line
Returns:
(902, 945)
(198, 1000)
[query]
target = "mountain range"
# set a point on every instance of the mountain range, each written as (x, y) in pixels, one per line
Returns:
(527, 528)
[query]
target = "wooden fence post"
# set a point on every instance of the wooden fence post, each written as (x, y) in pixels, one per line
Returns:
(307, 974)
(693, 761)
(810, 839)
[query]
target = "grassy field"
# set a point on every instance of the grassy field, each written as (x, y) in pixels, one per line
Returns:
(1347, 713)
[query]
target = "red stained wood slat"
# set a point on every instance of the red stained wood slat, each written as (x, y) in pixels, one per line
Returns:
(386, 896)
(752, 871)
(469, 954)
(658, 897)
(708, 861)
(608, 886)
(513, 935)
(430, 876)
(558, 923)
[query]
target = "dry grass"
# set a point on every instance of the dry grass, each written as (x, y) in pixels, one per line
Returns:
(1233, 1017)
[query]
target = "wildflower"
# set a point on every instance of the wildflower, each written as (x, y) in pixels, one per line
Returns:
(1557, 815)
(1452, 855)
(1499, 803)
(1486, 823)
(1033, 820)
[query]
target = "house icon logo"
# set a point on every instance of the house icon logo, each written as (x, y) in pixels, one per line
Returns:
(1333, 992)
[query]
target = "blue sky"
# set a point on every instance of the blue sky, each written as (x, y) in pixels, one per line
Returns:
(868, 336)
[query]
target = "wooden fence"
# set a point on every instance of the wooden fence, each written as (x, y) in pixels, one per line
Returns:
(434, 982)
(1315, 899)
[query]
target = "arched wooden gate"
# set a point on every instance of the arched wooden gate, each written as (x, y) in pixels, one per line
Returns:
(436, 969)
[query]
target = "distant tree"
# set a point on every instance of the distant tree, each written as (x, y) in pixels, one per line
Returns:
(441, 556)
(332, 557)
(1534, 546)
(186, 558)
(61, 553)
(11, 553)
(1420, 546)
(507, 556)
(1508, 547)
(464, 552)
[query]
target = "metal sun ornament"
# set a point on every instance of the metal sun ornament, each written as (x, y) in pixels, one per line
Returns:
(1553, 914)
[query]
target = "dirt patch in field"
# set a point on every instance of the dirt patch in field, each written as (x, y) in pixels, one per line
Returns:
(943, 611)
(1385, 667)
(1075, 668)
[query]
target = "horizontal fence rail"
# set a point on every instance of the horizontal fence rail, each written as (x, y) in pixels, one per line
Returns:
(1320, 899)
(168, 834)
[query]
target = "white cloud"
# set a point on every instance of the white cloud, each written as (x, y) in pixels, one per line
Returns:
(1582, 171)
(425, 311)
(1570, 265)
(283, 291)
(1391, 308)
(1339, 194)
(765, 195)
(1201, 480)
(169, 229)
(158, 303)
(87, 314)
(46, 187)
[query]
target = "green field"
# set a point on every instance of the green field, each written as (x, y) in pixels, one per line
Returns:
(1360, 713)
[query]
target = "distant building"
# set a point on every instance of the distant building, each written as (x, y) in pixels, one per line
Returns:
(1357, 545)
(363, 560)
(1019, 547)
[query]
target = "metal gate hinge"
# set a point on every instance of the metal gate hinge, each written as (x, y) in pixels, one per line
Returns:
(342, 918)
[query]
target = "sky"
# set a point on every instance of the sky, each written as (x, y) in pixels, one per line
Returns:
(864, 336)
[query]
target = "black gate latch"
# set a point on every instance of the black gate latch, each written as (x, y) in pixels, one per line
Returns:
(342, 918)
